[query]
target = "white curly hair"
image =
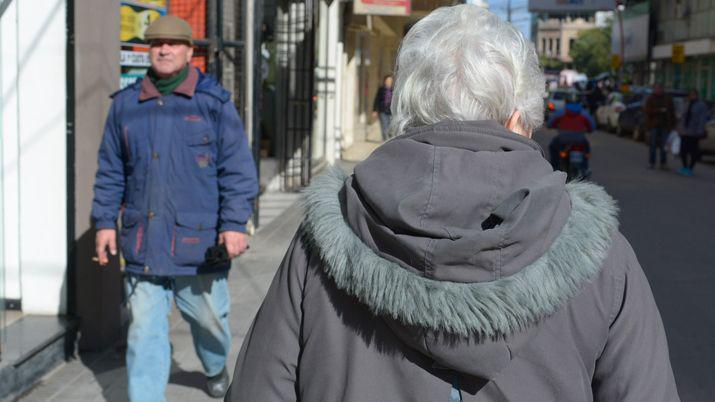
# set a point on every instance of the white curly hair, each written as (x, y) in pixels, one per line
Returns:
(464, 63)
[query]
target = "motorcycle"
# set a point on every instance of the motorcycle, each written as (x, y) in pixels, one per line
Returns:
(573, 161)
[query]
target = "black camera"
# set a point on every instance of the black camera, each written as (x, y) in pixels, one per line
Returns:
(216, 255)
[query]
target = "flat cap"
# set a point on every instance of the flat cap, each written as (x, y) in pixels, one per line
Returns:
(169, 27)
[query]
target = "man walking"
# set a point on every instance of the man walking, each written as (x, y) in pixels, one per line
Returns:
(174, 159)
(692, 131)
(659, 120)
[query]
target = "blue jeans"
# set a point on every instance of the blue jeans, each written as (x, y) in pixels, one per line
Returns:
(203, 301)
(385, 120)
(658, 137)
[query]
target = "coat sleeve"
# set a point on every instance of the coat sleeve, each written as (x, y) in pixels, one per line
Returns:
(634, 365)
(109, 182)
(267, 365)
(237, 178)
(378, 99)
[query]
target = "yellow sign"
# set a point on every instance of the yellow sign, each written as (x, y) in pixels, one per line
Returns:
(134, 21)
(678, 56)
(616, 61)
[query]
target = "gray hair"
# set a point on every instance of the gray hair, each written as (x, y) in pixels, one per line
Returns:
(464, 63)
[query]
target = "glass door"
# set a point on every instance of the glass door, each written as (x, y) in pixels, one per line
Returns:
(2, 213)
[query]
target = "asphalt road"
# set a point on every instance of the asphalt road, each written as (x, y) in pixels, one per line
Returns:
(670, 222)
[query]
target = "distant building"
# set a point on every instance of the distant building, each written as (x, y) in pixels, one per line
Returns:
(556, 34)
(689, 26)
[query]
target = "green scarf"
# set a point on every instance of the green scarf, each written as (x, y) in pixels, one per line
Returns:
(167, 85)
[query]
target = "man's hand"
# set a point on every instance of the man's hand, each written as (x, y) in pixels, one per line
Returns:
(236, 243)
(105, 238)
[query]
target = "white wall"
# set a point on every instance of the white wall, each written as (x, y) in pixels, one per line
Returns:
(326, 126)
(35, 174)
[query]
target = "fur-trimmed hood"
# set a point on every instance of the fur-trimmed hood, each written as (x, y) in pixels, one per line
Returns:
(461, 237)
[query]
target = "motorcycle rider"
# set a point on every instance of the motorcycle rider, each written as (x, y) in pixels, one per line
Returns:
(572, 123)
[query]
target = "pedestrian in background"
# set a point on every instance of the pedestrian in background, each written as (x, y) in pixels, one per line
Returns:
(174, 159)
(692, 130)
(455, 264)
(659, 120)
(381, 106)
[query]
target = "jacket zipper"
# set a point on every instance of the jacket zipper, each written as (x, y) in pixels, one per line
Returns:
(173, 242)
(140, 237)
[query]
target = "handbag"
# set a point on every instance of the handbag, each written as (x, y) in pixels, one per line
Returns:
(672, 144)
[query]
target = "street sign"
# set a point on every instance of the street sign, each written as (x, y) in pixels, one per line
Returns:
(616, 61)
(383, 7)
(678, 54)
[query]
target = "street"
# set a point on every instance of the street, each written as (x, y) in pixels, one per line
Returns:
(670, 223)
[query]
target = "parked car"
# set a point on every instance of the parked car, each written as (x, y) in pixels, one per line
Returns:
(707, 144)
(607, 114)
(631, 118)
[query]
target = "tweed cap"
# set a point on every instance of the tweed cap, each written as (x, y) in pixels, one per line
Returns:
(169, 27)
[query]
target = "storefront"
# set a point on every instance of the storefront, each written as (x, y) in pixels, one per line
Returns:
(696, 69)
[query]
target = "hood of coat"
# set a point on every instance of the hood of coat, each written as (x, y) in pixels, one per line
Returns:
(460, 236)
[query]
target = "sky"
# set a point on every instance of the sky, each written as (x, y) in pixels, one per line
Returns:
(520, 16)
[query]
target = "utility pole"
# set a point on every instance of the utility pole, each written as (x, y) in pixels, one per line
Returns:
(508, 11)
(619, 11)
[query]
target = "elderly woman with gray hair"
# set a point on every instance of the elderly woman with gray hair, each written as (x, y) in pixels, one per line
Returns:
(454, 264)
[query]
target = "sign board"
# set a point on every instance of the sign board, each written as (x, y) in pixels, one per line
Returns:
(130, 58)
(383, 7)
(130, 77)
(678, 55)
(570, 6)
(616, 61)
(134, 21)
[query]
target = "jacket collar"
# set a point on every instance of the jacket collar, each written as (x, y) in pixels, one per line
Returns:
(492, 309)
(187, 88)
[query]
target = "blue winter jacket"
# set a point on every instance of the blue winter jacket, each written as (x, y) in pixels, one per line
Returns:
(179, 168)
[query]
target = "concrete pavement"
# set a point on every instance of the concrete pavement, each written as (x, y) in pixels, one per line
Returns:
(102, 376)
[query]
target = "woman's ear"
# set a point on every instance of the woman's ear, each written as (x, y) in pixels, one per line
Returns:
(514, 124)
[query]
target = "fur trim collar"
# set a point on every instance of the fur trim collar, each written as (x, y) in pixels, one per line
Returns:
(487, 310)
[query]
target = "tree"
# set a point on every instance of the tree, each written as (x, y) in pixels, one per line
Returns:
(551, 64)
(591, 52)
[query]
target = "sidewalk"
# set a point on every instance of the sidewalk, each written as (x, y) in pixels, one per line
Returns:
(364, 143)
(102, 376)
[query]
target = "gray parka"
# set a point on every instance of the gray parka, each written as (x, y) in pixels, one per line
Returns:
(454, 264)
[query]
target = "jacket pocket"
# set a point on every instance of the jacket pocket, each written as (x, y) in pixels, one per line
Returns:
(202, 148)
(132, 236)
(194, 233)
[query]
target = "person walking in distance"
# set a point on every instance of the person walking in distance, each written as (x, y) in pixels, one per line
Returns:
(692, 131)
(381, 106)
(659, 120)
(175, 161)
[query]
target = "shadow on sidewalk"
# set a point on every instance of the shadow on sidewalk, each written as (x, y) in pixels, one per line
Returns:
(191, 379)
(109, 372)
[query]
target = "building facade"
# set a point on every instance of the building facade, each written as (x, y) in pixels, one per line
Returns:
(556, 34)
(685, 26)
